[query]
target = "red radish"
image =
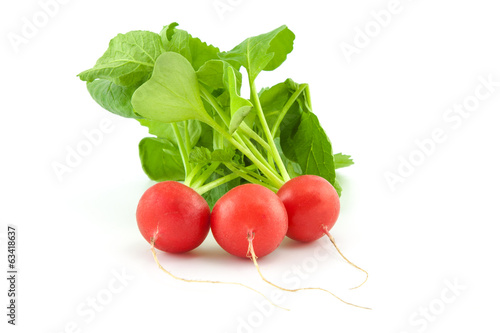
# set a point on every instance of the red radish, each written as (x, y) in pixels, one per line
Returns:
(313, 207)
(173, 216)
(246, 213)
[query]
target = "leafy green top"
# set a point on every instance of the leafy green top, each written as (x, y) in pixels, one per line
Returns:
(204, 132)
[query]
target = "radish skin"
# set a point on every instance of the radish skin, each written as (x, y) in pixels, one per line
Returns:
(312, 205)
(246, 210)
(174, 216)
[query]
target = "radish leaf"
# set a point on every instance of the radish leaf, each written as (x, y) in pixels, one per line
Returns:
(263, 52)
(239, 106)
(212, 72)
(161, 159)
(128, 60)
(342, 161)
(172, 94)
(112, 97)
(191, 48)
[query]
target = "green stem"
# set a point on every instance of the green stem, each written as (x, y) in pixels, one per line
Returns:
(206, 174)
(269, 172)
(308, 98)
(244, 128)
(287, 106)
(189, 179)
(182, 149)
(213, 184)
(245, 141)
(251, 133)
(249, 178)
(267, 132)
(187, 137)
(207, 96)
(252, 173)
(265, 170)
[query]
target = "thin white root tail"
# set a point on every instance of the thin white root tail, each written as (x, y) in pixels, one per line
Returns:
(342, 255)
(153, 250)
(253, 257)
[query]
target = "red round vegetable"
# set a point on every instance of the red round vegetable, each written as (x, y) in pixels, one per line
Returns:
(313, 206)
(174, 216)
(249, 213)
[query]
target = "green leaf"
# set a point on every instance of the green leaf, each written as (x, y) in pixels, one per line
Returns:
(193, 49)
(129, 59)
(337, 187)
(206, 136)
(273, 100)
(201, 155)
(201, 52)
(342, 161)
(165, 131)
(161, 160)
(292, 167)
(212, 74)
(112, 97)
(223, 155)
(167, 32)
(238, 117)
(239, 106)
(179, 43)
(172, 94)
(263, 52)
(304, 141)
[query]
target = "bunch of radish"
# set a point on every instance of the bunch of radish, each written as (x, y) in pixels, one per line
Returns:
(248, 221)
(263, 164)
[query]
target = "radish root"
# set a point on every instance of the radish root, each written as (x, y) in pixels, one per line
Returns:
(342, 255)
(253, 257)
(153, 250)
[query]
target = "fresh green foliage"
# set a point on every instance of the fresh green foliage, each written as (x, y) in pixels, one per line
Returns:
(273, 100)
(238, 106)
(161, 159)
(305, 142)
(193, 49)
(172, 93)
(342, 161)
(165, 130)
(202, 155)
(263, 52)
(112, 97)
(129, 59)
(212, 74)
(188, 94)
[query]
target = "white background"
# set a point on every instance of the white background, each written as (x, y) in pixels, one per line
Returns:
(439, 225)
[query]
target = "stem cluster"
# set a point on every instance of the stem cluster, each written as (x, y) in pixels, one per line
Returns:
(267, 167)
